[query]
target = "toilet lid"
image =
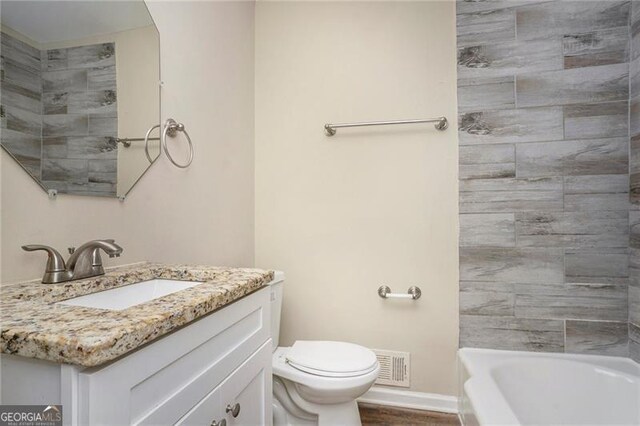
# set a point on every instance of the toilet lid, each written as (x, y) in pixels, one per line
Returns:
(331, 359)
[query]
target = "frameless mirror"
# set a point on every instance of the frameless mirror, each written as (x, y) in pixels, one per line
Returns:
(79, 90)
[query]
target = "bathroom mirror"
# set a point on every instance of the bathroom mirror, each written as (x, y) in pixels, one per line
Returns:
(79, 91)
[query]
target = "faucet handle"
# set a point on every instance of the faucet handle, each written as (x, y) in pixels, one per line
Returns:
(55, 262)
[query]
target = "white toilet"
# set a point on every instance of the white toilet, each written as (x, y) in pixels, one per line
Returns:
(317, 382)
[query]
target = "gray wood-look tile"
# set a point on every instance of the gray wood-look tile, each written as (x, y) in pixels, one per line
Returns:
(22, 121)
(104, 178)
(511, 126)
(573, 157)
(596, 202)
(634, 297)
(92, 56)
(573, 86)
(486, 93)
(510, 195)
(487, 171)
(495, 229)
(21, 77)
(634, 116)
(487, 27)
(634, 78)
(596, 184)
(634, 230)
(634, 189)
(64, 125)
(481, 298)
(602, 47)
(92, 148)
(55, 103)
(487, 154)
(634, 342)
(64, 169)
(54, 59)
(634, 154)
(25, 55)
(24, 148)
(514, 265)
(103, 78)
(510, 58)
(635, 29)
(570, 17)
(103, 125)
(572, 229)
(55, 147)
(601, 266)
(64, 81)
(602, 120)
(510, 333)
(477, 6)
(603, 302)
(20, 97)
(92, 102)
(550, 244)
(597, 338)
(103, 166)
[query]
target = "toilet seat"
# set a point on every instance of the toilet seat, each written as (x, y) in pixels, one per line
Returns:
(331, 359)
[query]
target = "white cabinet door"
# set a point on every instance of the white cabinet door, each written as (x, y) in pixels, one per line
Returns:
(160, 382)
(246, 394)
(207, 412)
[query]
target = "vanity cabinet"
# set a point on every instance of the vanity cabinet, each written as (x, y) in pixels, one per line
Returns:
(189, 376)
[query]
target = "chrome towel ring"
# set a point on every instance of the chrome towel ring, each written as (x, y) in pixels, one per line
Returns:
(146, 144)
(171, 128)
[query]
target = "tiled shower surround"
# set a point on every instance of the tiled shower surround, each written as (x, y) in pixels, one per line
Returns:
(61, 117)
(543, 96)
(634, 170)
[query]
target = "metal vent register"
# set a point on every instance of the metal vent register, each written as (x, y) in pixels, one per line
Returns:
(395, 368)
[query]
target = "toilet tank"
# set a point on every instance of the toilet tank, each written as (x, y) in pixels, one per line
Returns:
(276, 306)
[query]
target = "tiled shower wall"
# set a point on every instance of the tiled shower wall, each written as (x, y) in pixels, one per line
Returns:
(21, 102)
(634, 170)
(59, 114)
(80, 123)
(543, 94)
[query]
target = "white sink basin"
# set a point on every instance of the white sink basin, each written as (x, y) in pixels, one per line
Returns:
(124, 297)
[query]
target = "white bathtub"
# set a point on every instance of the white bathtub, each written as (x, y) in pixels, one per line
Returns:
(529, 388)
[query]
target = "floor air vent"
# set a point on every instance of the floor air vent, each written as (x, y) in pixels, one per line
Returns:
(395, 368)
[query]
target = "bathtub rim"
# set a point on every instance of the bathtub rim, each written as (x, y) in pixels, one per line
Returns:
(477, 364)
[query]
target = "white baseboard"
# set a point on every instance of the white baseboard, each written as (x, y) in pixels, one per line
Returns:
(408, 399)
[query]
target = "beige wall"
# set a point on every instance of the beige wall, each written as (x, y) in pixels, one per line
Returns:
(203, 214)
(343, 215)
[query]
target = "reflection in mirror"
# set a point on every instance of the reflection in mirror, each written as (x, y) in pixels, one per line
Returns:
(79, 90)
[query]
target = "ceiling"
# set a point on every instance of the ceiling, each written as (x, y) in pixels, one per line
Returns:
(52, 21)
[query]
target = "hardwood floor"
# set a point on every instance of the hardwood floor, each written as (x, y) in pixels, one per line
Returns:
(371, 414)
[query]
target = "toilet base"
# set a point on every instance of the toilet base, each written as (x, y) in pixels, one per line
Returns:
(290, 409)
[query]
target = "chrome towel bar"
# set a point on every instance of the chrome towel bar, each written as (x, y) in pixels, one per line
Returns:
(413, 293)
(441, 123)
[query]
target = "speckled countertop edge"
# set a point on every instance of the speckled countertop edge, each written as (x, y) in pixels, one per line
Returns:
(32, 325)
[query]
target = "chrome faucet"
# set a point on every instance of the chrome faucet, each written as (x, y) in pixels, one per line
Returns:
(84, 262)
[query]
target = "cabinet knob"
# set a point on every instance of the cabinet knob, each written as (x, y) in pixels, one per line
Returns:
(222, 422)
(234, 410)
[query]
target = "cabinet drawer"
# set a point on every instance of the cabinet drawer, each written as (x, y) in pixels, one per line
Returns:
(249, 386)
(165, 379)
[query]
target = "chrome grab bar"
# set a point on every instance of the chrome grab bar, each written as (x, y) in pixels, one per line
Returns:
(441, 123)
(413, 293)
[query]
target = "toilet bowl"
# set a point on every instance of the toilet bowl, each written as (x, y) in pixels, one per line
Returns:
(317, 382)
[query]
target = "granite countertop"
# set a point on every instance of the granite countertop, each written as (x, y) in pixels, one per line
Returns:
(32, 325)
